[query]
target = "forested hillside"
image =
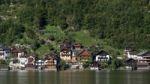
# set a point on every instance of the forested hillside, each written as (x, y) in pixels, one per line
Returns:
(115, 23)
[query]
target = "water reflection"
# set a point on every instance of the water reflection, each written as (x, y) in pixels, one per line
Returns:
(22, 77)
(74, 77)
(102, 77)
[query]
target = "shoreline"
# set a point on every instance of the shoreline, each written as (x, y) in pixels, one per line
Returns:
(72, 70)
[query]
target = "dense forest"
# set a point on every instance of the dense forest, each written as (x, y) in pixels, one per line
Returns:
(114, 23)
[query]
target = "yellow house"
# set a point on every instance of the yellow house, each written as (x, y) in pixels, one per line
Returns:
(50, 62)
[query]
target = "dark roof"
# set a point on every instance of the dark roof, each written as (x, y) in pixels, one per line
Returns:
(144, 53)
(102, 52)
(66, 46)
(7, 49)
(130, 60)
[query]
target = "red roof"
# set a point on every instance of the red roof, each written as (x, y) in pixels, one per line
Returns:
(84, 53)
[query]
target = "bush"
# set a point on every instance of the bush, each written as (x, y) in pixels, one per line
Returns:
(103, 65)
(3, 62)
(64, 65)
(86, 64)
(116, 63)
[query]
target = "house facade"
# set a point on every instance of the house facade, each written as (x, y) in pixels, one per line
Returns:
(131, 64)
(102, 56)
(84, 55)
(66, 51)
(30, 61)
(66, 55)
(142, 59)
(131, 53)
(50, 61)
(17, 52)
(4, 53)
(146, 57)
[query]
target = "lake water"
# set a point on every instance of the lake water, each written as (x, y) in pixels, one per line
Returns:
(75, 77)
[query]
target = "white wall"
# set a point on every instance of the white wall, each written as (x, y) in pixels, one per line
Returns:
(102, 59)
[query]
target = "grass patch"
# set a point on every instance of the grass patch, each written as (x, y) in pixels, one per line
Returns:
(84, 38)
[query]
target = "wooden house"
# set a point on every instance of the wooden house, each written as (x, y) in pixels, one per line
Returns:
(134, 64)
(84, 55)
(146, 57)
(66, 51)
(50, 61)
(30, 61)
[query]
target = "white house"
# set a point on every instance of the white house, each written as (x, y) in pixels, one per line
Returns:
(102, 56)
(23, 61)
(66, 55)
(4, 53)
(131, 54)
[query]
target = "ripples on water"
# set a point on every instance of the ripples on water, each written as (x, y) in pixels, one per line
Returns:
(75, 77)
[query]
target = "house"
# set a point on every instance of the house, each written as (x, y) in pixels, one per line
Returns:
(102, 56)
(22, 60)
(73, 52)
(66, 51)
(19, 63)
(17, 52)
(77, 46)
(66, 55)
(131, 64)
(50, 61)
(134, 64)
(142, 65)
(4, 53)
(130, 53)
(84, 55)
(145, 57)
(66, 45)
(77, 49)
(39, 64)
(30, 61)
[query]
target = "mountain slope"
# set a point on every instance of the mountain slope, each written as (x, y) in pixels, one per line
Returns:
(115, 23)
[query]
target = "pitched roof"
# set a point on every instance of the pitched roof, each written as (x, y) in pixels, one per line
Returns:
(77, 45)
(84, 53)
(144, 53)
(102, 52)
(52, 55)
(130, 60)
(65, 46)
